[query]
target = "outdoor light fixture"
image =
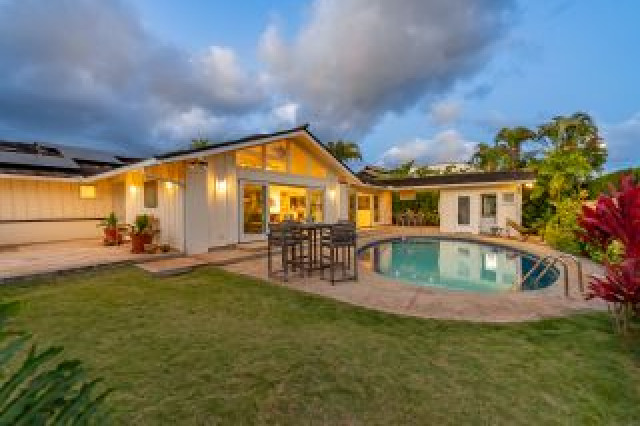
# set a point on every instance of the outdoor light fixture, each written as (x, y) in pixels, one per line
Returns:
(168, 185)
(199, 165)
(221, 185)
(133, 189)
(332, 194)
(528, 185)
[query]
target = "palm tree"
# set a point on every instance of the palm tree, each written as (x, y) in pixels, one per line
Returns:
(488, 158)
(344, 150)
(577, 132)
(403, 170)
(510, 141)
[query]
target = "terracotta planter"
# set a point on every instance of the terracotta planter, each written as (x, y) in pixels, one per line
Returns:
(137, 242)
(112, 236)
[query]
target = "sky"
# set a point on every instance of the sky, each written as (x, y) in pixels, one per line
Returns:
(406, 79)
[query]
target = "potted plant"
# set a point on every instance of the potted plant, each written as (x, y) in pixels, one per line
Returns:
(110, 226)
(140, 233)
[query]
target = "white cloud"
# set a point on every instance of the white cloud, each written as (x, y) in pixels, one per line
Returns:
(287, 113)
(445, 112)
(445, 146)
(355, 60)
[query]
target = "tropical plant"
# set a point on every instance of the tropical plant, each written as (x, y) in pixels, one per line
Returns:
(344, 150)
(488, 158)
(200, 143)
(616, 217)
(110, 221)
(33, 391)
(577, 132)
(141, 224)
(509, 142)
(560, 230)
(560, 174)
(403, 170)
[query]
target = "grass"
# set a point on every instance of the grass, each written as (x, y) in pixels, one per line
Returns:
(212, 347)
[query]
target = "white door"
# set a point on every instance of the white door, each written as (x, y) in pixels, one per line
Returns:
(253, 210)
(488, 212)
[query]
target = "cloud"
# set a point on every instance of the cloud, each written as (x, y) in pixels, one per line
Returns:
(445, 112)
(89, 71)
(623, 142)
(355, 60)
(448, 145)
(287, 113)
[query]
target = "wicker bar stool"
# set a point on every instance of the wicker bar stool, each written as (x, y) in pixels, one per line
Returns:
(336, 245)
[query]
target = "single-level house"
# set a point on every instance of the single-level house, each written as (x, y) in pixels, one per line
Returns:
(225, 193)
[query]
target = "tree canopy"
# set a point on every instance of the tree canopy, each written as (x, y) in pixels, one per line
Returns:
(344, 150)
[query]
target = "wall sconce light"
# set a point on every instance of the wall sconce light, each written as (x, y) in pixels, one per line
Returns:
(528, 185)
(168, 185)
(221, 186)
(198, 165)
(332, 194)
(133, 189)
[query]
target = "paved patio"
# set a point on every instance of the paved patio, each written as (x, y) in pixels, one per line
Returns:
(372, 290)
(377, 292)
(25, 261)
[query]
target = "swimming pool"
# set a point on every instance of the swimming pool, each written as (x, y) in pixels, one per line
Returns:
(454, 264)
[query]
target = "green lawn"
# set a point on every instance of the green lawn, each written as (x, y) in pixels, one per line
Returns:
(211, 347)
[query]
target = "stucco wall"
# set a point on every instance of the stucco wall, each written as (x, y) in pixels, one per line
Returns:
(448, 207)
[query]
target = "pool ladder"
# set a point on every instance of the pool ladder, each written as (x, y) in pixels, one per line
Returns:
(550, 262)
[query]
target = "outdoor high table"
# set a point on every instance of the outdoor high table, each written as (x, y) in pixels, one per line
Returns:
(313, 230)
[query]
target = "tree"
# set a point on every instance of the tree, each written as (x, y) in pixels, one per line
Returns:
(577, 132)
(403, 170)
(510, 141)
(200, 143)
(344, 150)
(488, 158)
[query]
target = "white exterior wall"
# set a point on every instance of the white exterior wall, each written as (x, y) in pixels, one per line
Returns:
(170, 210)
(448, 207)
(39, 210)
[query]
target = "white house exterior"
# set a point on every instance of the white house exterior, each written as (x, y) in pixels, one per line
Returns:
(227, 194)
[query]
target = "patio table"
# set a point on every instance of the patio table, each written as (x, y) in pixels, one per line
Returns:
(312, 230)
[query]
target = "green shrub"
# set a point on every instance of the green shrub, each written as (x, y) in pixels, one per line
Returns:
(561, 229)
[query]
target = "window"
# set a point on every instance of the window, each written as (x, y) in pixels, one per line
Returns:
(87, 192)
(364, 202)
(250, 157)
(276, 156)
(299, 160)
(464, 210)
(489, 205)
(508, 197)
(151, 194)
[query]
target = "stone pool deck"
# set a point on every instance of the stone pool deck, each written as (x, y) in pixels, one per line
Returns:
(377, 292)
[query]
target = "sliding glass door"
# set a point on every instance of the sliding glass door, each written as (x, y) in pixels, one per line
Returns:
(253, 210)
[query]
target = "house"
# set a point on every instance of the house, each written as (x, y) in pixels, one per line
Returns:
(226, 193)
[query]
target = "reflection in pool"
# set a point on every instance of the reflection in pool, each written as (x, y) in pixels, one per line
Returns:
(454, 264)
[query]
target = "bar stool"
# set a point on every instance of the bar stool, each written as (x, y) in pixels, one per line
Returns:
(285, 237)
(339, 240)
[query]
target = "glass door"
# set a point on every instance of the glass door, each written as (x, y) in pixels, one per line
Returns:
(316, 205)
(253, 208)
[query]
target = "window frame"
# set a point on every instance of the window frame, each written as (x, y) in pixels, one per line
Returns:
(146, 194)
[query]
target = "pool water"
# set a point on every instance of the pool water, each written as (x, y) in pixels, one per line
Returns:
(455, 265)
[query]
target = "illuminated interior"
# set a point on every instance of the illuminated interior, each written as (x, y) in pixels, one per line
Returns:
(250, 157)
(287, 203)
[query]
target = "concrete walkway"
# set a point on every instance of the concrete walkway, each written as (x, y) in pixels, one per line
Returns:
(32, 260)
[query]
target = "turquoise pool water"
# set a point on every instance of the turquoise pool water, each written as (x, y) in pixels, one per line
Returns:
(454, 265)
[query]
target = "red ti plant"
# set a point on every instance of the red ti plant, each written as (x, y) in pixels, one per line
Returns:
(616, 217)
